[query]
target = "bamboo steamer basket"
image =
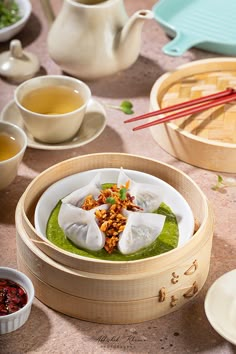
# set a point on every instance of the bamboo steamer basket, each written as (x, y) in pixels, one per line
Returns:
(114, 292)
(206, 139)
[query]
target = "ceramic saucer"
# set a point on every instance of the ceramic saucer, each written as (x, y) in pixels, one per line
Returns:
(92, 126)
(220, 306)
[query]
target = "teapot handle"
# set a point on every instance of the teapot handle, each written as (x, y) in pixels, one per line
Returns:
(48, 11)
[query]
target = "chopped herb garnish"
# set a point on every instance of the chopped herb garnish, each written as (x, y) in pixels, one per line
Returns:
(123, 192)
(110, 200)
(9, 13)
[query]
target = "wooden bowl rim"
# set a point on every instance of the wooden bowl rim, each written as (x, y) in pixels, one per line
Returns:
(207, 212)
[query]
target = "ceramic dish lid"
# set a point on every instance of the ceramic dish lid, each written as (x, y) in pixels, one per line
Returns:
(220, 306)
(208, 24)
(17, 65)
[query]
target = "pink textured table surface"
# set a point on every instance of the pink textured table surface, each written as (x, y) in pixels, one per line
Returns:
(184, 331)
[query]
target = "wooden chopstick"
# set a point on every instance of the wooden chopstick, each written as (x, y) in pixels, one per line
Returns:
(189, 103)
(183, 113)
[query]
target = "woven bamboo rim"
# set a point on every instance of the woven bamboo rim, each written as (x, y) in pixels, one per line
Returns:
(208, 139)
(171, 175)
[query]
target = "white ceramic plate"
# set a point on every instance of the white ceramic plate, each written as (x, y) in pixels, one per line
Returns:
(65, 186)
(220, 306)
(92, 126)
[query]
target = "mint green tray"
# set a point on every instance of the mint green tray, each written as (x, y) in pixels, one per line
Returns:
(207, 24)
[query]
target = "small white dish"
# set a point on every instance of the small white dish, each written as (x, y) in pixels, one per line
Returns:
(67, 185)
(93, 125)
(15, 320)
(8, 32)
(220, 306)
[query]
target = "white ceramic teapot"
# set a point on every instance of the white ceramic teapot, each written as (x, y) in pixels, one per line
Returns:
(94, 38)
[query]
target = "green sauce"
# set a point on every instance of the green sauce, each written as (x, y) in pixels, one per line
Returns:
(167, 240)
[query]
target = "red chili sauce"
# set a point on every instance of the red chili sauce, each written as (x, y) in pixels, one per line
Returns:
(12, 297)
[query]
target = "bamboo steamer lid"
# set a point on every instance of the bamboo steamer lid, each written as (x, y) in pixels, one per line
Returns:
(114, 292)
(206, 139)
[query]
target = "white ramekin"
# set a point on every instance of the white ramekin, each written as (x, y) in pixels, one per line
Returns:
(15, 320)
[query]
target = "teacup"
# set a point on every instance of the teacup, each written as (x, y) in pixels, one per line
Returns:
(52, 106)
(13, 142)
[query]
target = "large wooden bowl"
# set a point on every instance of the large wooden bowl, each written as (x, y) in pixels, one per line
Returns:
(206, 139)
(108, 291)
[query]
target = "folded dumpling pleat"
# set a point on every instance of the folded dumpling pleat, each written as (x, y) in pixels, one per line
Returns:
(146, 196)
(140, 231)
(80, 226)
(77, 197)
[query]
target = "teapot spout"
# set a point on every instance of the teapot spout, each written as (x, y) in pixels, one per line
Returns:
(130, 35)
(48, 11)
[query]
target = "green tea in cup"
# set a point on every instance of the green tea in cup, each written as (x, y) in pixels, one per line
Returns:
(9, 147)
(52, 100)
(13, 142)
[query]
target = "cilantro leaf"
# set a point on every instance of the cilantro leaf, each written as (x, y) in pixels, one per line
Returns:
(110, 200)
(123, 192)
(126, 107)
(223, 183)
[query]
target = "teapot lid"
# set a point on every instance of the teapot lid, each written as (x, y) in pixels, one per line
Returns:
(17, 65)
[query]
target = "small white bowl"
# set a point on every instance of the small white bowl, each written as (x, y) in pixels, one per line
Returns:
(8, 32)
(15, 320)
(220, 306)
(67, 185)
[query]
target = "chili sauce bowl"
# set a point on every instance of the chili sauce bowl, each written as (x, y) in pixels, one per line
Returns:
(13, 321)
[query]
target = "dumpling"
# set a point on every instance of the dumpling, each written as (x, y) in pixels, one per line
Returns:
(77, 197)
(80, 226)
(140, 231)
(146, 196)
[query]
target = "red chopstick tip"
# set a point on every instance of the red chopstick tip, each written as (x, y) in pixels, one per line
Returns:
(137, 128)
(230, 89)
